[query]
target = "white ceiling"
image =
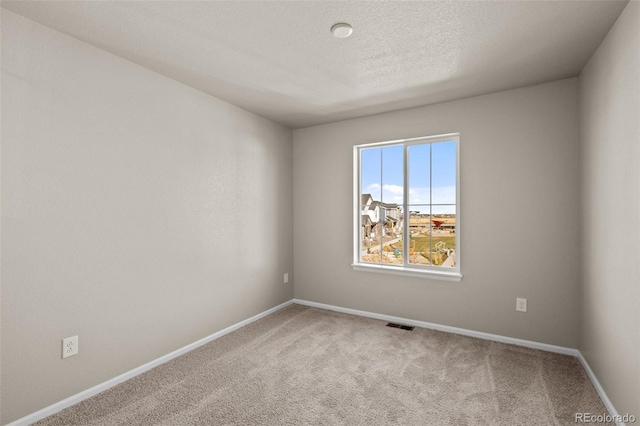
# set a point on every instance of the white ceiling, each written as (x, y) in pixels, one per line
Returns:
(279, 60)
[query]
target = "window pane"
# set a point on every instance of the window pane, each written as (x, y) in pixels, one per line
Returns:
(443, 236)
(420, 231)
(369, 247)
(393, 174)
(443, 177)
(371, 174)
(370, 232)
(419, 174)
(381, 240)
(391, 221)
(371, 195)
(429, 171)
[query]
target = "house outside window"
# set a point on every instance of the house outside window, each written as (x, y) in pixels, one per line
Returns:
(407, 207)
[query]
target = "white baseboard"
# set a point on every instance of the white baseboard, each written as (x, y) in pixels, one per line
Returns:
(74, 399)
(487, 336)
(596, 384)
(445, 328)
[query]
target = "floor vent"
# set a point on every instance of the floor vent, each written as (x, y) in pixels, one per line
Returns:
(400, 326)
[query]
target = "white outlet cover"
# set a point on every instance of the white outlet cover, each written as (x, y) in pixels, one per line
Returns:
(521, 304)
(286, 278)
(69, 346)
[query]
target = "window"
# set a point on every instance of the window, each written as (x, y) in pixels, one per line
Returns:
(406, 207)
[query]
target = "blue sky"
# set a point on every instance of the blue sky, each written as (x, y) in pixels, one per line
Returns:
(382, 175)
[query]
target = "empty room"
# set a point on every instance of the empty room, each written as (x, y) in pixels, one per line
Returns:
(319, 212)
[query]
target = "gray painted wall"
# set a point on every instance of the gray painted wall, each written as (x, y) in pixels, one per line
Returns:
(129, 200)
(128, 203)
(610, 173)
(519, 212)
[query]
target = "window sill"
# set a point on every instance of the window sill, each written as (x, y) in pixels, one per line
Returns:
(409, 272)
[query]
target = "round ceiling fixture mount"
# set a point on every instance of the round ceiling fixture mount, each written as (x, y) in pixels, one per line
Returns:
(341, 30)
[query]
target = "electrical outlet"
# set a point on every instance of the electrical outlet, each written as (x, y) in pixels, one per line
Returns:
(69, 346)
(286, 278)
(521, 305)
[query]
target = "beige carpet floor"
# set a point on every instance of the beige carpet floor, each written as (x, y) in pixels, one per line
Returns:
(308, 366)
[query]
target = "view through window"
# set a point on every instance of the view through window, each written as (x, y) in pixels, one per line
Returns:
(408, 203)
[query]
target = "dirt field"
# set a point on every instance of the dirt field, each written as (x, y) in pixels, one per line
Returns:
(422, 248)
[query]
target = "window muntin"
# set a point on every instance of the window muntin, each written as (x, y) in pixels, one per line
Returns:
(407, 202)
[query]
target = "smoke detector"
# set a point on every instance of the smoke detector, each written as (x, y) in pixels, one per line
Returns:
(341, 30)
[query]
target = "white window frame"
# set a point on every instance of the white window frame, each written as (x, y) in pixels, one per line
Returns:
(422, 271)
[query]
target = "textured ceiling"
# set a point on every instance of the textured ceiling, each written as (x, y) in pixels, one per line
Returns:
(279, 60)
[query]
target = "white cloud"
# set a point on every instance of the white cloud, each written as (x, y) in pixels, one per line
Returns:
(417, 195)
(374, 188)
(438, 195)
(393, 189)
(391, 193)
(444, 195)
